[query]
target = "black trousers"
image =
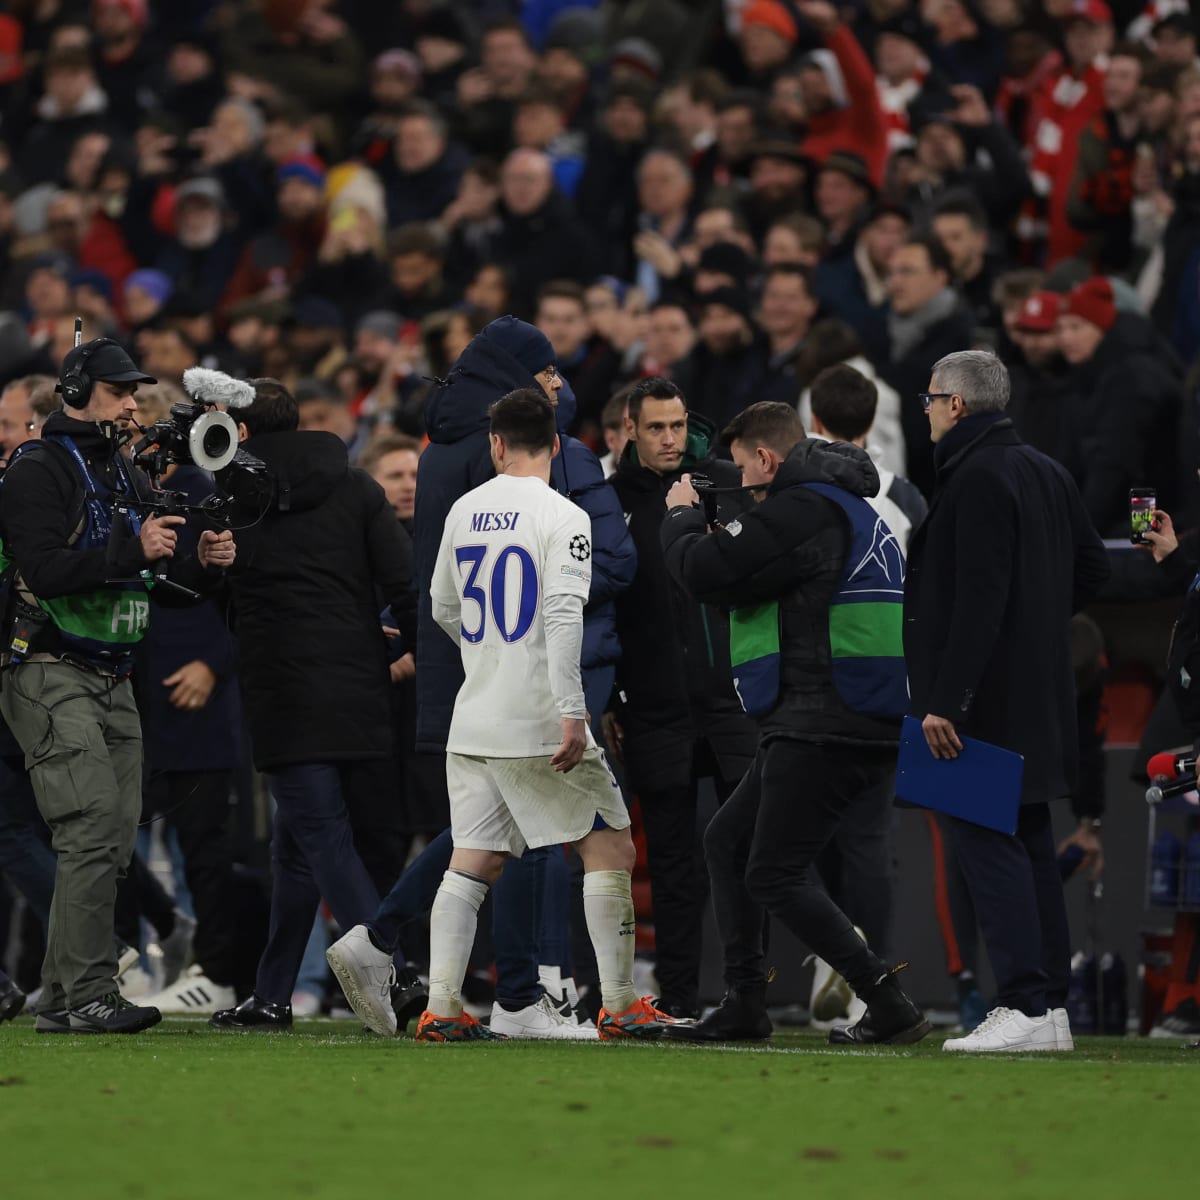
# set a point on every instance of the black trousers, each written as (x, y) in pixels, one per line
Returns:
(856, 866)
(761, 848)
(196, 804)
(678, 881)
(1018, 896)
(372, 793)
(139, 894)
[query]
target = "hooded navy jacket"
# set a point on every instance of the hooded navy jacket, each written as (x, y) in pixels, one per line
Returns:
(458, 459)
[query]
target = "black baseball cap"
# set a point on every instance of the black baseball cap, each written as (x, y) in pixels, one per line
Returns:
(108, 362)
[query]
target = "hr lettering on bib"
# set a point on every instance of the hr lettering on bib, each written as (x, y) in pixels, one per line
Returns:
(131, 616)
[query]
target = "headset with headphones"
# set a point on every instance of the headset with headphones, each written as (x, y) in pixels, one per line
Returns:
(76, 385)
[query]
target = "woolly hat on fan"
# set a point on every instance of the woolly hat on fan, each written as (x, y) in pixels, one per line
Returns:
(771, 15)
(1093, 301)
(1039, 313)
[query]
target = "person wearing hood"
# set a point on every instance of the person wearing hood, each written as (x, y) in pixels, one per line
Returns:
(1005, 558)
(675, 718)
(1126, 399)
(507, 355)
(76, 610)
(313, 666)
(813, 579)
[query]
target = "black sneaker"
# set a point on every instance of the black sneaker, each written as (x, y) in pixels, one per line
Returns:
(409, 997)
(680, 1012)
(12, 1000)
(253, 1013)
(53, 1020)
(891, 1019)
(740, 1017)
(112, 1014)
(1182, 1021)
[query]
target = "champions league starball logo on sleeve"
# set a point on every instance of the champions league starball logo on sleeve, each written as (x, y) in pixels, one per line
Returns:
(581, 548)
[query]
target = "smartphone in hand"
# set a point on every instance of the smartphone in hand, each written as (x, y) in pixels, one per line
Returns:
(1142, 503)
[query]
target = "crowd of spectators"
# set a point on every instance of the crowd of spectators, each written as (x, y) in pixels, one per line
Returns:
(736, 194)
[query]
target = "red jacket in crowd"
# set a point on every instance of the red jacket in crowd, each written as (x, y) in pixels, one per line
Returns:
(856, 122)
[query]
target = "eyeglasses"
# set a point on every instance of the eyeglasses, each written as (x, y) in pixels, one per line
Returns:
(551, 374)
(927, 398)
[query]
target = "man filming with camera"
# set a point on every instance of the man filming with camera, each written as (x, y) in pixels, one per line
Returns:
(80, 547)
(814, 580)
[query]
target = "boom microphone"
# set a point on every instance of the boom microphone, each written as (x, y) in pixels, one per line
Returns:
(1170, 766)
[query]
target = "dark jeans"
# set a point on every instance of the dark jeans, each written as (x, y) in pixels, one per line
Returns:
(25, 853)
(372, 792)
(856, 866)
(761, 847)
(517, 912)
(678, 884)
(1018, 895)
(196, 804)
(313, 857)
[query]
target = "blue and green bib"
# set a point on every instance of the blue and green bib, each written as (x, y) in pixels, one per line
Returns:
(105, 624)
(866, 622)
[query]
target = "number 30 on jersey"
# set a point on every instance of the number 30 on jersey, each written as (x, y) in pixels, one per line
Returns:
(510, 597)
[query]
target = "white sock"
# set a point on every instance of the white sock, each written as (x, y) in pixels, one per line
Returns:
(452, 922)
(608, 907)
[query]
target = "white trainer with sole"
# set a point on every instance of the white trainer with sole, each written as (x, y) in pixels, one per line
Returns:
(366, 974)
(1007, 1031)
(1062, 1029)
(192, 992)
(541, 1022)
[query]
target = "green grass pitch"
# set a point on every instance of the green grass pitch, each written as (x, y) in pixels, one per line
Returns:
(186, 1113)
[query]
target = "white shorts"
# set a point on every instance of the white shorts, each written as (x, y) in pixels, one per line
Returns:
(510, 804)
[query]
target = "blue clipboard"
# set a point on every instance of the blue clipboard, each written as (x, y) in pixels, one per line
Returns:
(982, 785)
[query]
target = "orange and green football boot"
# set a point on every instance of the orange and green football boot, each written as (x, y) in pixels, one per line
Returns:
(463, 1028)
(640, 1020)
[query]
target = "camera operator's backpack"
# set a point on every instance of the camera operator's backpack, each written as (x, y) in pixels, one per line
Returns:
(1183, 658)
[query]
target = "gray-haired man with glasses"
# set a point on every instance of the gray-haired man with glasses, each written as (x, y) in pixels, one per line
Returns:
(1005, 557)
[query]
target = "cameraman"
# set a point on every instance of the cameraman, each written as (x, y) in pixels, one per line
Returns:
(815, 581)
(77, 608)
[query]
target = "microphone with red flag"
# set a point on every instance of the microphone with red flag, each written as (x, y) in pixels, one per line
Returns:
(1170, 775)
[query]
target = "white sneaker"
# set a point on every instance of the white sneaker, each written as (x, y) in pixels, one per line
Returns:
(366, 975)
(1062, 1029)
(564, 995)
(832, 1001)
(831, 994)
(174, 952)
(542, 1022)
(135, 983)
(127, 956)
(1006, 1031)
(306, 1004)
(192, 992)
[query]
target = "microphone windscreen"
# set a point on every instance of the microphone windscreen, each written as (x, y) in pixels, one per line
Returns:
(1162, 766)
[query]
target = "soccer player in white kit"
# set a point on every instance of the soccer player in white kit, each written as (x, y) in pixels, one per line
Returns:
(523, 770)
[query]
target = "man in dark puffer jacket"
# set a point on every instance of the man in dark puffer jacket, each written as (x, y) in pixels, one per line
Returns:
(815, 581)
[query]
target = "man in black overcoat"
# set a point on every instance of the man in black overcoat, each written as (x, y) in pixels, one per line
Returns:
(1005, 557)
